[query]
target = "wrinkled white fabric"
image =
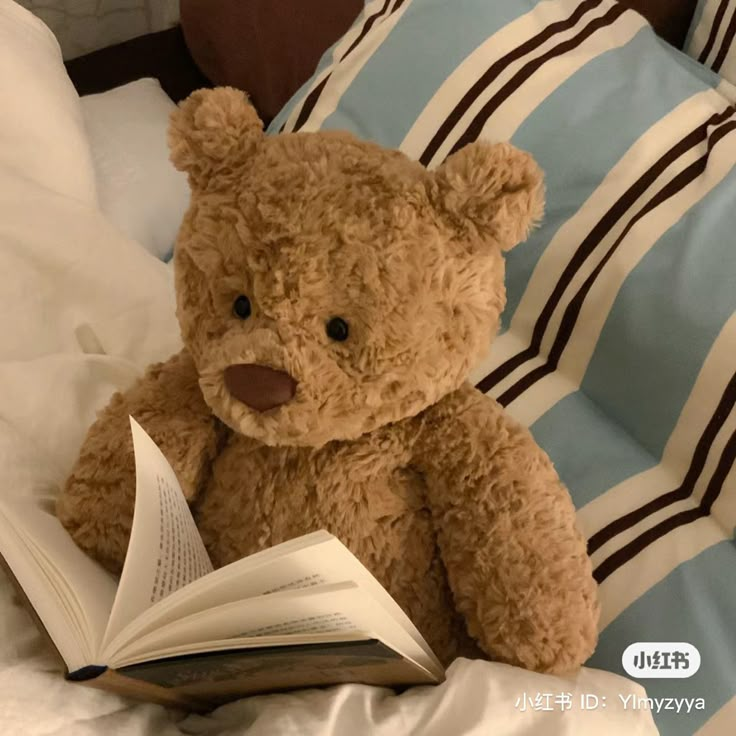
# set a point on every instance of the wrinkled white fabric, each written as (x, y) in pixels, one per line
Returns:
(478, 698)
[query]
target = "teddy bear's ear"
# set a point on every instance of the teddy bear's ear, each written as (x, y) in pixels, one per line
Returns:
(213, 131)
(494, 189)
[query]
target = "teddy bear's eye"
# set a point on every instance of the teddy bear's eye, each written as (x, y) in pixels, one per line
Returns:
(241, 307)
(337, 329)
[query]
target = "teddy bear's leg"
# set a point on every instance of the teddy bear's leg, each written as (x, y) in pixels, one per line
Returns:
(96, 504)
(516, 562)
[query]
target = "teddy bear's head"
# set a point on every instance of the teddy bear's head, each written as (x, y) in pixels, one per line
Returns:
(327, 286)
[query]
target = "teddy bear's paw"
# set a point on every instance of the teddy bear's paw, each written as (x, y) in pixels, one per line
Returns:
(559, 645)
(103, 538)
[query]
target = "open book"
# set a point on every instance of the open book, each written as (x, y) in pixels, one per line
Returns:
(173, 630)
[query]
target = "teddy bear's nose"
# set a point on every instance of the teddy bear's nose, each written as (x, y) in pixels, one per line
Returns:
(258, 386)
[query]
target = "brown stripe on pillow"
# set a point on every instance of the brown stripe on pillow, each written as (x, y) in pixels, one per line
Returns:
(572, 312)
(712, 492)
(367, 27)
(726, 45)
(714, 30)
(497, 68)
(685, 489)
(313, 97)
(616, 212)
(476, 126)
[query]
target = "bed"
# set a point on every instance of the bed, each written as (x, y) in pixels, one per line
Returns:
(87, 303)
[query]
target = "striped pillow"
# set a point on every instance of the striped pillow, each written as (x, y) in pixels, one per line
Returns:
(618, 346)
(712, 36)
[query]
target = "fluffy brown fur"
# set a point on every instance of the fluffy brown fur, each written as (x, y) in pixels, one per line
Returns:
(443, 497)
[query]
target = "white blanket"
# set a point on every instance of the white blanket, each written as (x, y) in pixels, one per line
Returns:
(82, 312)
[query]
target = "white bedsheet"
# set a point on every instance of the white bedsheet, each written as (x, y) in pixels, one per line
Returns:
(82, 311)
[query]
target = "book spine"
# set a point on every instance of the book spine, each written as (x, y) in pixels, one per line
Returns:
(87, 673)
(114, 682)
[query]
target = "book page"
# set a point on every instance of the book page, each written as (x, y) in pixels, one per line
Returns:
(323, 609)
(314, 559)
(70, 592)
(165, 552)
(213, 647)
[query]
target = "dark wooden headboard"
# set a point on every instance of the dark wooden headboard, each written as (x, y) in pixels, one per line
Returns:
(670, 18)
(165, 55)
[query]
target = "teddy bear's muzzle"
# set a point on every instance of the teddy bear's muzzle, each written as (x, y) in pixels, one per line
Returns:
(258, 386)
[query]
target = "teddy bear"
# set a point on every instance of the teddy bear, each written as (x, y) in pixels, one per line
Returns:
(333, 297)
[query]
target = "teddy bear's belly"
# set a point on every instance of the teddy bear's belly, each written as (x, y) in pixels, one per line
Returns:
(375, 508)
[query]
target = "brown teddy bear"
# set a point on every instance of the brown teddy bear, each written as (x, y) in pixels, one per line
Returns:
(333, 297)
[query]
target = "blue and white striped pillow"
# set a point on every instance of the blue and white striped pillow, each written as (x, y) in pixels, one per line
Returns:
(712, 36)
(619, 338)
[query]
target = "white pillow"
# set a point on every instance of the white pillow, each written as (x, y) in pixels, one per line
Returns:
(42, 136)
(138, 188)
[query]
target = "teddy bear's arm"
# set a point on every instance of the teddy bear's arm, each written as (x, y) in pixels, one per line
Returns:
(96, 504)
(516, 562)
